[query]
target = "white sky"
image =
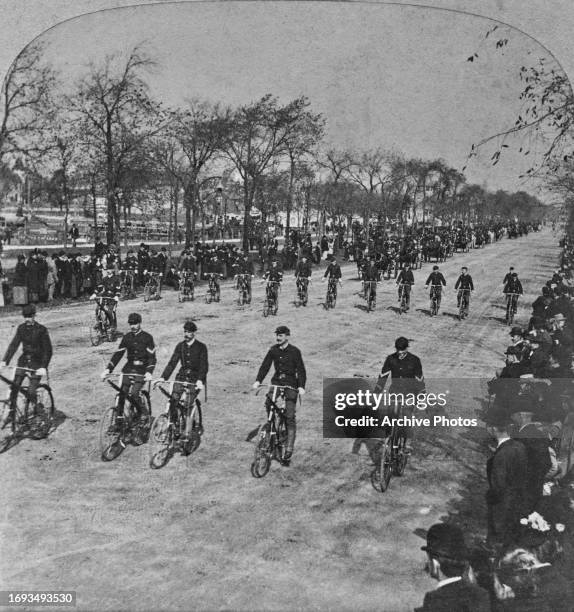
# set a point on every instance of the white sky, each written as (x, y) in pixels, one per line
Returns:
(382, 75)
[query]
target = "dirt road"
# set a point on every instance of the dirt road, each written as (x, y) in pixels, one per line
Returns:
(201, 533)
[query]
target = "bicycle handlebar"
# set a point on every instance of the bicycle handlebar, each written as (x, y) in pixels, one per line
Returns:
(17, 367)
(271, 386)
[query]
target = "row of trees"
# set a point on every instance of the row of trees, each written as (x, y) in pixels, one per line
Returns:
(107, 132)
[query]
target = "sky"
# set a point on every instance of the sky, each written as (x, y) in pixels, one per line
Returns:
(389, 76)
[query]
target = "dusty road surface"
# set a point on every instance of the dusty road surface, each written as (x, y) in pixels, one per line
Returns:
(202, 533)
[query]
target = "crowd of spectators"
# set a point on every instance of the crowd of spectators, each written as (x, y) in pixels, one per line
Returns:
(527, 560)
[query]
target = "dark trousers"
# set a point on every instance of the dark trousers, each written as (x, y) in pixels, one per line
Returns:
(132, 387)
(290, 409)
(32, 387)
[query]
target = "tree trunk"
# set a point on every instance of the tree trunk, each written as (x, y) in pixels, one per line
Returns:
(188, 197)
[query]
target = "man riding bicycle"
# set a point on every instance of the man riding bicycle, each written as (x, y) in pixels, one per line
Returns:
(139, 348)
(464, 283)
(406, 372)
(436, 281)
(107, 296)
(405, 281)
(36, 355)
(244, 267)
(303, 274)
(192, 354)
(274, 277)
(513, 286)
(289, 372)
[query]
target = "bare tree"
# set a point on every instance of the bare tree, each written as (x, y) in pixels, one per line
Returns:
(257, 137)
(118, 118)
(25, 102)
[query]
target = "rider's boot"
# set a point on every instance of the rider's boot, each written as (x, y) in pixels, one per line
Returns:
(291, 434)
(117, 425)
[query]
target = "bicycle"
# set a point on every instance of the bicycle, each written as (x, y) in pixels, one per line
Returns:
(464, 304)
(435, 297)
(213, 293)
(370, 294)
(405, 297)
(152, 288)
(186, 287)
(33, 418)
(271, 304)
(101, 328)
(331, 298)
(272, 435)
(302, 292)
(393, 456)
(176, 430)
(127, 287)
(116, 434)
(511, 307)
(243, 289)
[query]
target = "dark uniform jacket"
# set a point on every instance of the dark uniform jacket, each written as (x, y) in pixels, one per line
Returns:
(333, 270)
(457, 596)
(289, 367)
(464, 282)
(513, 286)
(108, 288)
(407, 368)
(193, 358)
(406, 277)
(273, 274)
(371, 273)
(436, 278)
(140, 353)
(36, 346)
(303, 269)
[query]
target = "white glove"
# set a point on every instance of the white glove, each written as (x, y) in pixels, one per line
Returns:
(148, 377)
(3, 364)
(41, 372)
(199, 385)
(256, 385)
(116, 298)
(104, 374)
(301, 391)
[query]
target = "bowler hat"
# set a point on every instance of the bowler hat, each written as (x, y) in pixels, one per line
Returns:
(283, 329)
(445, 540)
(29, 310)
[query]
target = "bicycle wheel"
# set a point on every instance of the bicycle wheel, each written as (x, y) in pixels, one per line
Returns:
(401, 456)
(96, 335)
(275, 307)
(140, 430)
(147, 293)
(217, 294)
(509, 313)
(263, 452)
(208, 297)
(111, 445)
(41, 414)
(7, 432)
(161, 441)
(181, 295)
(371, 302)
(281, 440)
(192, 438)
(266, 308)
(381, 475)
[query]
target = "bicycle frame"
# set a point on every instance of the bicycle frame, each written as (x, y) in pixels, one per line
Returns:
(127, 395)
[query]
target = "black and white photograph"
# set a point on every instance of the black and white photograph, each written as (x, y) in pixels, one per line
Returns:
(287, 305)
